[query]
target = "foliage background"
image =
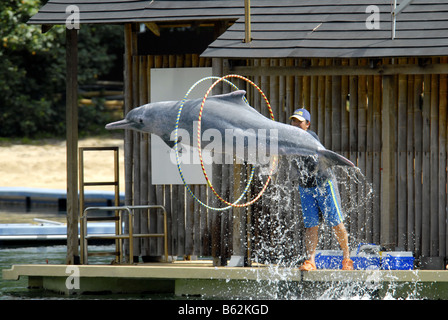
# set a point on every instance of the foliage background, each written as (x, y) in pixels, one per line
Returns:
(32, 72)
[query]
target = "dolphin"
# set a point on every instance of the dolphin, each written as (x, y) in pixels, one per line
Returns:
(228, 112)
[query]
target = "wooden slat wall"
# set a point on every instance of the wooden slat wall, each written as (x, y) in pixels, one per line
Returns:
(346, 113)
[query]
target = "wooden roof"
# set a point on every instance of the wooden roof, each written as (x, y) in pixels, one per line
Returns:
(123, 11)
(336, 28)
(283, 28)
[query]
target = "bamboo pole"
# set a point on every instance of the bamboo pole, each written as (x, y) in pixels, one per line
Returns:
(359, 219)
(401, 152)
(388, 188)
(136, 157)
(274, 91)
(336, 111)
(418, 162)
(327, 141)
(282, 114)
(345, 123)
(410, 165)
(434, 159)
(314, 100)
(365, 224)
(353, 141)
(290, 107)
(144, 159)
(443, 104)
(321, 104)
(426, 178)
(377, 142)
(265, 87)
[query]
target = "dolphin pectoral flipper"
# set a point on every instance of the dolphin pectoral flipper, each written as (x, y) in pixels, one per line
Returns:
(330, 158)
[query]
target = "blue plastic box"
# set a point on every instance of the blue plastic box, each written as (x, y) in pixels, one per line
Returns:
(366, 257)
(366, 263)
(399, 260)
(328, 259)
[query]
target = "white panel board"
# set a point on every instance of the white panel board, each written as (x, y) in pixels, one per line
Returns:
(167, 85)
(164, 166)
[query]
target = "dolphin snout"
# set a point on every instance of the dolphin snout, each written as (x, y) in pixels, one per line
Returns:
(122, 124)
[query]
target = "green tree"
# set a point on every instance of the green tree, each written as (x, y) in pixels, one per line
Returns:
(32, 70)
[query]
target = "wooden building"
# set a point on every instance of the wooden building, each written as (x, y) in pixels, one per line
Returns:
(376, 87)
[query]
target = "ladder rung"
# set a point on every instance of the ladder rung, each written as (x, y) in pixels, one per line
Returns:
(103, 218)
(124, 236)
(99, 148)
(106, 236)
(148, 235)
(114, 183)
(104, 253)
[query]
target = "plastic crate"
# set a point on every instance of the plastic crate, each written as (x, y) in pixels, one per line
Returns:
(366, 257)
(328, 259)
(366, 263)
(398, 260)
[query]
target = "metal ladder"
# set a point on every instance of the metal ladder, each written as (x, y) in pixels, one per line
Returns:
(121, 236)
(116, 218)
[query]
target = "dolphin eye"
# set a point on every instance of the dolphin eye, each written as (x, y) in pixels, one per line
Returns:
(140, 120)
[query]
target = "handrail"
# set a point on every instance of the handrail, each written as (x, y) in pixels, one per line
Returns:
(120, 236)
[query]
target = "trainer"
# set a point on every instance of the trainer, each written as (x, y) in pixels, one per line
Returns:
(318, 193)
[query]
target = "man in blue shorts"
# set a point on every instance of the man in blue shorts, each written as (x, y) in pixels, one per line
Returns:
(318, 193)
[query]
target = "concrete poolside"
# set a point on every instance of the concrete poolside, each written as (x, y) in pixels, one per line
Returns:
(201, 278)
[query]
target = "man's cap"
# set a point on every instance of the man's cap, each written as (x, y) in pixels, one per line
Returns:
(301, 115)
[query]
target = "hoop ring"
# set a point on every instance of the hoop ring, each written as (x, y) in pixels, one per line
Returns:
(199, 140)
(176, 129)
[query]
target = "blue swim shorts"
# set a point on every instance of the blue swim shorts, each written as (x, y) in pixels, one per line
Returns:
(327, 199)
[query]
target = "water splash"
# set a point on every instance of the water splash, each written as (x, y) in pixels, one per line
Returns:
(278, 241)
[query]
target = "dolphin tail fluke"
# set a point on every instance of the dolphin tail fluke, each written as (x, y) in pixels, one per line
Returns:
(329, 158)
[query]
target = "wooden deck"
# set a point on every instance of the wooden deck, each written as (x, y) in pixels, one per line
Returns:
(201, 278)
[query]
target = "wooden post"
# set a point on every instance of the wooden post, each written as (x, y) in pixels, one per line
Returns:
(72, 145)
(388, 164)
(215, 231)
(247, 34)
(128, 134)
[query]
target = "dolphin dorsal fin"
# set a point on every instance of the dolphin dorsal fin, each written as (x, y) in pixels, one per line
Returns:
(238, 95)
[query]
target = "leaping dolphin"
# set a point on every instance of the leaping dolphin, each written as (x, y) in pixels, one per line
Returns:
(224, 112)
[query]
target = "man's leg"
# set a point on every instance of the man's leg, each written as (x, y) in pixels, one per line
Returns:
(334, 217)
(342, 237)
(310, 213)
(311, 239)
